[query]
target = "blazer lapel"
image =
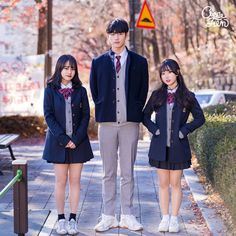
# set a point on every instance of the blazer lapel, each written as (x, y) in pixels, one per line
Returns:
(127, 73)
(60, 95)
(73, 95)
(111, 60)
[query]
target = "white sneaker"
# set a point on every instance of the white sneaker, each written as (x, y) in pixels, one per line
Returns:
(174, 226)
(72, 227)
(164, 225)
(107, 222)
(61, 226)
(130, 222)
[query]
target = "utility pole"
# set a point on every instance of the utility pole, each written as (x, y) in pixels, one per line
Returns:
(135, 33)
(48, 56)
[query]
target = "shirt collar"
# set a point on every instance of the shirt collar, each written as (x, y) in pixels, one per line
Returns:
(123, 54)
(69, 85)
(172, 90)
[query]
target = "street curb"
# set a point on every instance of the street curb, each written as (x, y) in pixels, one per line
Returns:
(213, 221)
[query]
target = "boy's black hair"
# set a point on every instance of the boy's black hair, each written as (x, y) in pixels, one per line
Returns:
(117, 25)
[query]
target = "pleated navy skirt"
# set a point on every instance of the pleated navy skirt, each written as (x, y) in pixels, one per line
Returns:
(167, 165)
(69, 158)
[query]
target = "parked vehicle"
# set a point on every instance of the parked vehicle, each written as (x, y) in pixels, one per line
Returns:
(209, 97)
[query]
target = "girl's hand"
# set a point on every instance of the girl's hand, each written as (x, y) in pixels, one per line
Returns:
(70, 145)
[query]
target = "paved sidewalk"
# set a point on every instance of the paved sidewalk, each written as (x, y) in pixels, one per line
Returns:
(42, 216)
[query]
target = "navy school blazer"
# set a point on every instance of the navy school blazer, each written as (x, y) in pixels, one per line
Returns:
(103, 86)
(56, 138)
(179, 148)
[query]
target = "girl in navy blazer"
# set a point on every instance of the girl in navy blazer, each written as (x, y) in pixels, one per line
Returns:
(67, 113)
(165, 116)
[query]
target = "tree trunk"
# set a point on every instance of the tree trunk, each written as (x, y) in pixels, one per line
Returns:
(186, 27)
(163, 41)
(42, 31)
(156, 54)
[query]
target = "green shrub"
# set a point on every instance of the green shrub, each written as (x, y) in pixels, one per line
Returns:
(215, 147)
(34, 126)
(228, 108)
(26, 126)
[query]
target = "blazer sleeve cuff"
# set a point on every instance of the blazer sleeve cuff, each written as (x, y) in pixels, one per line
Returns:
(181, 136)
(63, 140)
(157, 132)
(184, 131)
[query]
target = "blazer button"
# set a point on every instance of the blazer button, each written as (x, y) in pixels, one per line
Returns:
(74, 124)
(113, 101)
(73, 114)
(72, 105)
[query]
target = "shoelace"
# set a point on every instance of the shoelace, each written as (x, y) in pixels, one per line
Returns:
(61, 224)
(72, 224)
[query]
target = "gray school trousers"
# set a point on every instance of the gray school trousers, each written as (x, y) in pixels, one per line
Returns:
(114, 137)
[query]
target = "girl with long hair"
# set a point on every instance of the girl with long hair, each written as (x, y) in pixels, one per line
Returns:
(67, 113)
(166, 117)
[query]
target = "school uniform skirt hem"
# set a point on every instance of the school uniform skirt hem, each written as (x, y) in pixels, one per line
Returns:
(70, 159)
(167, 165)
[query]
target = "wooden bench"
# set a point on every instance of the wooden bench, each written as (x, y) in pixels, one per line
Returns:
(5, 142)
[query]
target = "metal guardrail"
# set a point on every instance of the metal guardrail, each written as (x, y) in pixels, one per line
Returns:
(17, 178)
(20, 196)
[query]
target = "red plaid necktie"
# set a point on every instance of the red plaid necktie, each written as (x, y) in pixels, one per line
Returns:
(118, 65)
(170, 98)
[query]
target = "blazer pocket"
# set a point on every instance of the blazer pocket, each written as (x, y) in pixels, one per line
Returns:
(99, 101)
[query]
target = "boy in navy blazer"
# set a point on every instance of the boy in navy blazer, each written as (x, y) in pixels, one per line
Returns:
(119, 86)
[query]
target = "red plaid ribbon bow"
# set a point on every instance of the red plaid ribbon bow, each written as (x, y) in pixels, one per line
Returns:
(66, 92)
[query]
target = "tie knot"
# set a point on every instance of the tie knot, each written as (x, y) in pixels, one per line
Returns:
(118, 57)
